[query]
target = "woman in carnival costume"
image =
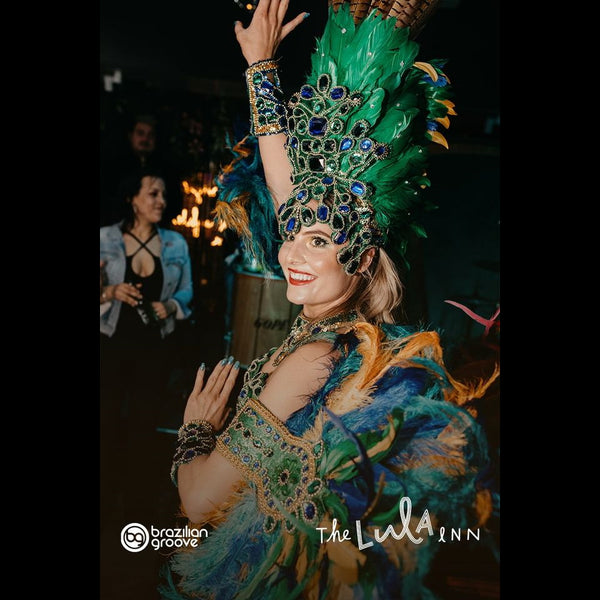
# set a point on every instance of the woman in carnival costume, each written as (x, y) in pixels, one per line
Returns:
(352, 425)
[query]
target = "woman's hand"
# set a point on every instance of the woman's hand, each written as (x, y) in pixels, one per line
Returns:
(160, 310)
(260, 40)
(209, 402)
(125, 292)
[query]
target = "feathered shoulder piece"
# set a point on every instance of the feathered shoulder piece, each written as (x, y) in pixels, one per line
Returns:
(245, 204)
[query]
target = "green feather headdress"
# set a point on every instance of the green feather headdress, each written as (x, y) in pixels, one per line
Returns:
(359, 128)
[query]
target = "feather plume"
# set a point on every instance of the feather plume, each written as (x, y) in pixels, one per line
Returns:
(405, 101)
(245, 204)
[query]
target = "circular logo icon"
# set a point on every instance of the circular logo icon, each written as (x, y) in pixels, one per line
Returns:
(134, 537)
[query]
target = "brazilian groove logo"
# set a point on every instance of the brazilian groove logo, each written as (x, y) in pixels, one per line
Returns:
(134, 537)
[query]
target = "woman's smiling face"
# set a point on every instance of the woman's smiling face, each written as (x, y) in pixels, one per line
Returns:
(150, 202)
(315, 278)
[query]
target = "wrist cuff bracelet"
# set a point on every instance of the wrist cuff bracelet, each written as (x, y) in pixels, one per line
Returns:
(194, 438)
(268, 115)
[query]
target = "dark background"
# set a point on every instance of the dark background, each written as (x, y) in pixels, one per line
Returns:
(171, 44)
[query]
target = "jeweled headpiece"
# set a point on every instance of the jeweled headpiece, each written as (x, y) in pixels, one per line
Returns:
(359, 126)
(357, 130)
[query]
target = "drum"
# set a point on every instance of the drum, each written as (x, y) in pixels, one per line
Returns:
(262, 315)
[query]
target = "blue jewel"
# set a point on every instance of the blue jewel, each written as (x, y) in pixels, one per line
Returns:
(316, 330)
(290, 224)
(309, 510)
(344, 208)
(246, 458)
(322, 212)
(432, 125)
(380, 150)
(266, 84)
(357, 188)
(346, 144)
(366, 144)
(235, 449)
(306, 92)
(341, 237)
(301, 195)
(337, 93)
(294, 142)
(259, 421)
(276, 437)
(317, 126)
(327, 180)
(279, 211)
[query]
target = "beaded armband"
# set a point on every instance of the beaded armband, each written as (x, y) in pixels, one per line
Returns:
(268, 114)
(194, 438)
(282, 467)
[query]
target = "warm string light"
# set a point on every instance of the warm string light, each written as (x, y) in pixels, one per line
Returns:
(199, 192)
(190, 218)
(193, 222)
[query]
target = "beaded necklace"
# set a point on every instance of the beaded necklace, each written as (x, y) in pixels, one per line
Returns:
(303, 329)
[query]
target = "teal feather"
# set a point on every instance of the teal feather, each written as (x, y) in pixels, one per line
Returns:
(246, 177)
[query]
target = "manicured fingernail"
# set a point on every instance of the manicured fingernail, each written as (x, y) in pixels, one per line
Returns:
(223, 362)
(202, 367)
(234, 23)
(306, 15)
(230, 360)
(237, 364)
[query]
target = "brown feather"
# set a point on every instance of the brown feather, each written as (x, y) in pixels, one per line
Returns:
(412, 13)
(359, 9)
(407, 13)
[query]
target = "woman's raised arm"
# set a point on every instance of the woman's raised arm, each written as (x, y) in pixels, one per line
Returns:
(259, 42)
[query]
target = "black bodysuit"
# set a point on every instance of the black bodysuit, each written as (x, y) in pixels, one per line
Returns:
(131, 325)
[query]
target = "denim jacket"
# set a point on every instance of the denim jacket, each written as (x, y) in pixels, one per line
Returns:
(177, 275)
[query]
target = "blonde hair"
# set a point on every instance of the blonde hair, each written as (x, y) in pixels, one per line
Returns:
(376, 293)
